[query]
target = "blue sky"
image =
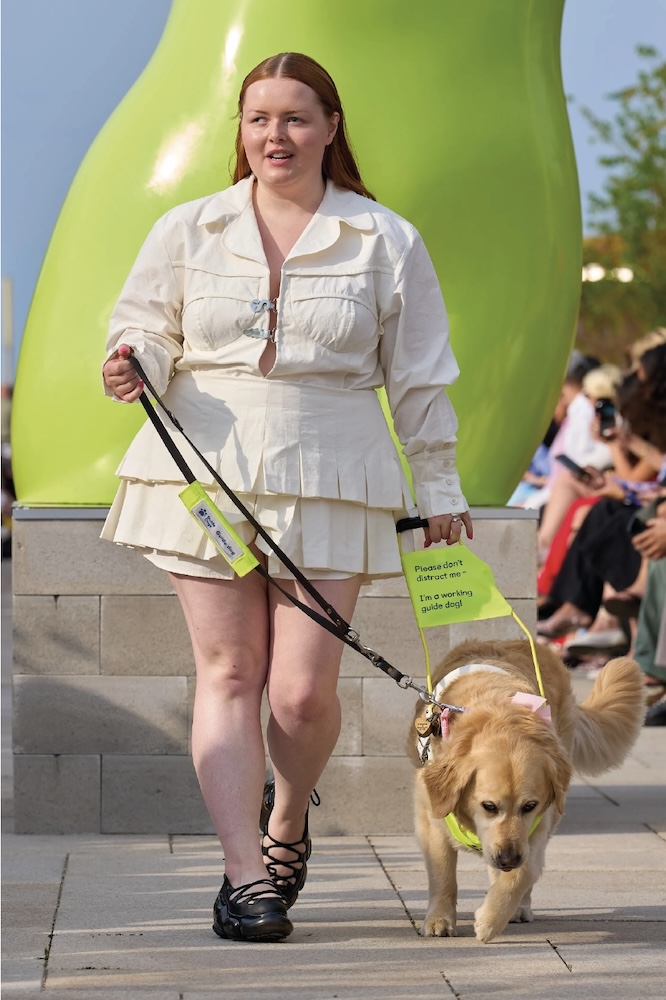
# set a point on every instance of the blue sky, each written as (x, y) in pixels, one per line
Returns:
(67, 64)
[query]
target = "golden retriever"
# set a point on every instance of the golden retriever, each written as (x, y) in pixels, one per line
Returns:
(502, 769)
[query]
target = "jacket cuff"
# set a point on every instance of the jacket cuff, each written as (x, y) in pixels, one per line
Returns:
(437, 483)
(151, 365)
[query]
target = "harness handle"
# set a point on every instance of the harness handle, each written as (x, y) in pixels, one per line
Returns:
(409, 523)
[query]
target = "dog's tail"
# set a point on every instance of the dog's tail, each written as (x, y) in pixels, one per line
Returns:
(609, 720)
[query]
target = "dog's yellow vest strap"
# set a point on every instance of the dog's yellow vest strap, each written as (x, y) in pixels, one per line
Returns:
(462, 835)
(535, 658)
(426, 651)
(469, 839)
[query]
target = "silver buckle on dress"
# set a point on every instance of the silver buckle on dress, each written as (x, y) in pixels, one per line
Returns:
(262, 305)
(258, 306)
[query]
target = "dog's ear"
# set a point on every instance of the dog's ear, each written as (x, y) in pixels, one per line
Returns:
(445, 778)
(559, 773)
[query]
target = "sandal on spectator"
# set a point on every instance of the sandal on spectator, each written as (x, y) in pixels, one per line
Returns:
(562, 623)
(612, 641)
(623, 607)
(655, 690)
(656, 714)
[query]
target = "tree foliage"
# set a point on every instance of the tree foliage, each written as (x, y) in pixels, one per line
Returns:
(628, 218)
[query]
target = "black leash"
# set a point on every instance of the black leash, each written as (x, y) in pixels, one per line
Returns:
(334, 622)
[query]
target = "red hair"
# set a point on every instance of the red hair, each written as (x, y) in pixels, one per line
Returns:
(339, 163)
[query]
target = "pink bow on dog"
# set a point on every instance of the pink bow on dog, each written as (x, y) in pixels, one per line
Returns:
(535, 704)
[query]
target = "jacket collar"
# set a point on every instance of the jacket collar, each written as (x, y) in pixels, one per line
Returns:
(233, 208)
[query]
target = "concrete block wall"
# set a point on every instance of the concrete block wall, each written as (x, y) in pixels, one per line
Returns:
(104, 683)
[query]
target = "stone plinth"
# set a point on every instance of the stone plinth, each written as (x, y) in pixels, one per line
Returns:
(101, 727)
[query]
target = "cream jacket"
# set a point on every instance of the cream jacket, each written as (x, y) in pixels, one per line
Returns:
(359, 307)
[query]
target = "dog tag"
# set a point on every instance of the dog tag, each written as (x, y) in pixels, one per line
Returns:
(431, 723)
(423, 726)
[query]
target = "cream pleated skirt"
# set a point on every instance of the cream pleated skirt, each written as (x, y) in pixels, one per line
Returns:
(316, 467)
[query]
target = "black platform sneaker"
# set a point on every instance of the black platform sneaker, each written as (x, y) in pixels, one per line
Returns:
(251, 912)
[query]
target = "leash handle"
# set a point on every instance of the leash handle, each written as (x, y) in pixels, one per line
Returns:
(409, 523)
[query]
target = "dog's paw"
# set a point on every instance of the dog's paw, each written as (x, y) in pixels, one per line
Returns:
(523, 915)
(485, 927)
(436, 925)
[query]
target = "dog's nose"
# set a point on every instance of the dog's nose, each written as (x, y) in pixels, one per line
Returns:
(508, 860)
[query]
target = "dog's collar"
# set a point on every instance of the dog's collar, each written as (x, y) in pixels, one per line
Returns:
(468, 668)
(532, 702)
(469, 839)
(423, 742)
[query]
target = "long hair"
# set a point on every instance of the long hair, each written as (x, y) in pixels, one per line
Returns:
(643, 402)
(339, 162)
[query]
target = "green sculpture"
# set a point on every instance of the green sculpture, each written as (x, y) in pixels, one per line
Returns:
(460, 124)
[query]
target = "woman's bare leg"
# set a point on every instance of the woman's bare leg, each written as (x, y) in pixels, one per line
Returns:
(304, 723)
(565, 490)
(229, 627)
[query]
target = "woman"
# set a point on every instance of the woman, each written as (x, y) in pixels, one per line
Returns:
(631, 462)
(580, 441)
(268, 314)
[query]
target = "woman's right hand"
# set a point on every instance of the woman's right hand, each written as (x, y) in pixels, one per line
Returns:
(120, 377)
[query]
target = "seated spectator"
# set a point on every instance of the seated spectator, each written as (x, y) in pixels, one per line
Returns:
(637, 462)
(573, 436)
(538, 469)
(642, 396)
(591, 451)
(604, 551)
(633, 459)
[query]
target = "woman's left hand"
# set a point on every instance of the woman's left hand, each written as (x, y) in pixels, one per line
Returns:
(448, 528)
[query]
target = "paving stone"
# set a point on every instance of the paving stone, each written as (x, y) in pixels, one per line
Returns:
(636, 850)
(21, 978)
